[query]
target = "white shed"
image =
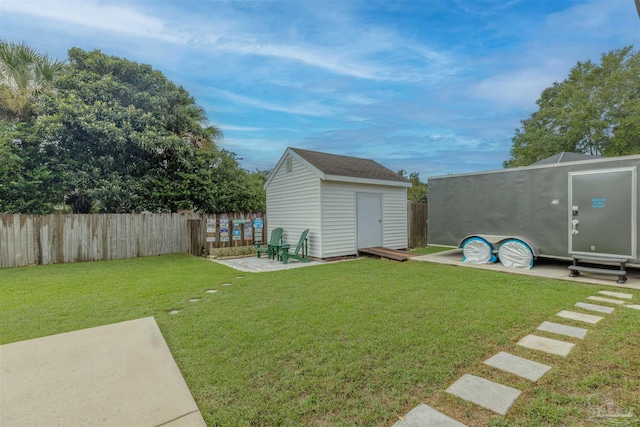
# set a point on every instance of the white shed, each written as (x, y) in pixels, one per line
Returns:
(347, 203)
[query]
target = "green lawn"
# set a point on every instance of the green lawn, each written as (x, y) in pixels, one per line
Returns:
(343, 344)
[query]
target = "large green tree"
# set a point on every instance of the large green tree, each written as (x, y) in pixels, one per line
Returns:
(26, 181)
(114, 125)
(117, 136)
(595, 110)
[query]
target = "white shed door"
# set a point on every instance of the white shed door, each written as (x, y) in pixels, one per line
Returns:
(369, 207)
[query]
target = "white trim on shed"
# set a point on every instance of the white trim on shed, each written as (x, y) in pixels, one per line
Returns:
(292, 200)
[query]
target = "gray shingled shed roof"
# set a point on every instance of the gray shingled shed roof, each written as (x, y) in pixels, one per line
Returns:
(333, 164)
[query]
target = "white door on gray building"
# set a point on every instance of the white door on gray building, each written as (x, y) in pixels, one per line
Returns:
(602, 212)
(369, 208)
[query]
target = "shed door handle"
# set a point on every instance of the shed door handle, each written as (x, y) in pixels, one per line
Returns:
(574, 229)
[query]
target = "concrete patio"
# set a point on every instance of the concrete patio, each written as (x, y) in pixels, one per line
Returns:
(263, 264)
(115, 375)
(547, 268)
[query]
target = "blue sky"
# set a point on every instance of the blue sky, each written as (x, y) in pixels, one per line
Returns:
(432, 86)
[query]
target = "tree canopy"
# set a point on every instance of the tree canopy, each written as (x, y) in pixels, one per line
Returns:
(24, 75)
(117, 136)
(595, 110)
(418, 192)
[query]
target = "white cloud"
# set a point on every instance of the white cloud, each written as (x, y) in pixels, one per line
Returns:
(256, 153)
(359, 99)
(369, 53)
(485, 7)
(336, 41)
(519, 89)
(311, 56)
(240, 128)
(594, 18)
(307, 109)
(92, 14)
(348, 60)
(578, 33)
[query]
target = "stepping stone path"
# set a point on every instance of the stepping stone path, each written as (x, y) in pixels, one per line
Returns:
(595, 307)
(609, 300)
(425, 416)
(194, 300)
(548, 345)
(588, 318)
(174, 311)
(226, 284)
(211, 291)
(490, 395)
(519, 366)
(616, 294)
(557, 328)
(498, 397)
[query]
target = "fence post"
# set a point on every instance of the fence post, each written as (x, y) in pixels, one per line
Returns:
(195, 237)
(417, 224)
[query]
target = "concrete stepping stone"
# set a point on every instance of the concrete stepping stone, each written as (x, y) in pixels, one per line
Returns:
(174, 312)
(588, 318)
(557, 328)
(211, 291)
(609, 300)
(634, 306)
(548, 345)
(595, 307)
(493, 396)
(425, 416)
(519, 366)
(616, 294)
(226, 284)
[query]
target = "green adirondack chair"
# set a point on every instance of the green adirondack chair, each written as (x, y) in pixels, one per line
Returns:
(272, 245)
(300, 253)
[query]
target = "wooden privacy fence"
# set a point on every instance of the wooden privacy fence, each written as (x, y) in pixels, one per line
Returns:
(417, 223)
(51, 239)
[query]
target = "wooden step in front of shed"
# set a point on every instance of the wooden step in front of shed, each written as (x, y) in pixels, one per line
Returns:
(386, 253)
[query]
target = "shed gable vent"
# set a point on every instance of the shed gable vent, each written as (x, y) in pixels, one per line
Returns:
(289, 164)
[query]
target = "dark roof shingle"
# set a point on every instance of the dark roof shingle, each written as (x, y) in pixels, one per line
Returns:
(333, 164)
